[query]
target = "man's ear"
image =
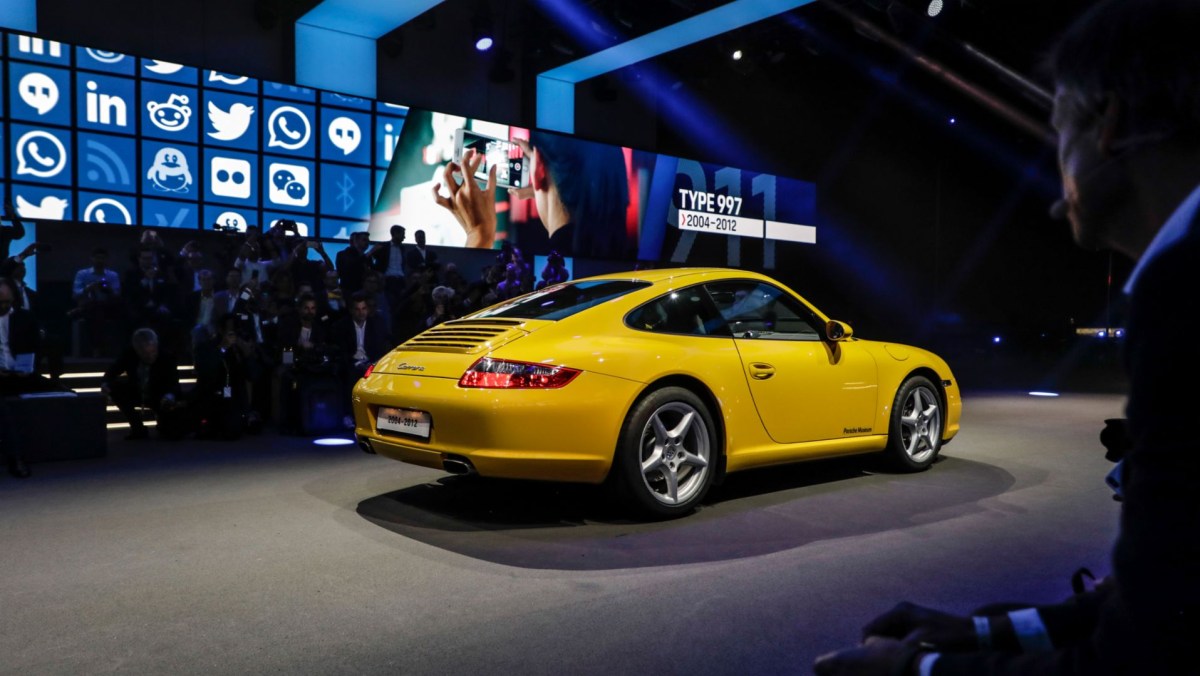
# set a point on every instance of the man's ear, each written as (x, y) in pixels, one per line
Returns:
(540, 178)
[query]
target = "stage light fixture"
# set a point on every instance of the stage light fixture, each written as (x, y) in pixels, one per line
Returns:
(935, 8)
(482, 31)
(736, 55)
(333, 441)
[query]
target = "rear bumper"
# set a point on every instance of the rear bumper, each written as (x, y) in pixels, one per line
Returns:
(567, 434)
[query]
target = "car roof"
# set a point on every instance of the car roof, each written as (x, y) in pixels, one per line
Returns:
(680, 274)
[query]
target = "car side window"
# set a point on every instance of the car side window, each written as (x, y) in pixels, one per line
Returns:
(753, 309)
(683, 311)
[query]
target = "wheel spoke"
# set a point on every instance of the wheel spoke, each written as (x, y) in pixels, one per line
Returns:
(672, 479)
(654, 461)
(688, 458)
(685, 423)
(661, 435)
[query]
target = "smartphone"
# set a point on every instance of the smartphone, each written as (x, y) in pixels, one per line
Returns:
(512, 165)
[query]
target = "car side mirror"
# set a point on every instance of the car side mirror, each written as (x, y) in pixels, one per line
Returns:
(835, 330)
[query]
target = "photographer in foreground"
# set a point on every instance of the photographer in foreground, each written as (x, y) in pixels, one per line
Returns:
(1127, 113)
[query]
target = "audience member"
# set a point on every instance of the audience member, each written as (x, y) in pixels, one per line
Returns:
(1126, 76)
(220, 398)
(97, 294)
(390, 260)
(354, 261)
(361, 340)
(443, 306)
(20, 339)
(145, 378)
(10, 233)
(419, 256)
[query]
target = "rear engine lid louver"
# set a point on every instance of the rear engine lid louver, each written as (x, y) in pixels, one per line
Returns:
(466, 336)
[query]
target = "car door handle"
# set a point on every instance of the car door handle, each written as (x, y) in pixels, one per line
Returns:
(760, 371)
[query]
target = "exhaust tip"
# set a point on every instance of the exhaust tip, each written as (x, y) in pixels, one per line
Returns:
(365, 445)
(457, 464)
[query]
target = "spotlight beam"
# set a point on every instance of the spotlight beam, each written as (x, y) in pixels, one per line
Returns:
(556, 87)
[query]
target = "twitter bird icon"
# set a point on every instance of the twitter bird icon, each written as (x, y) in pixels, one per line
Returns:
(229, 125)
(51, 208)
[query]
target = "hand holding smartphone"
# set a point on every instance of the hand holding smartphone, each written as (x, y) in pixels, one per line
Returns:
(511, 162)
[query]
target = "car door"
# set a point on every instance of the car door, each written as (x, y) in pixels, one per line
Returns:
(805, 388)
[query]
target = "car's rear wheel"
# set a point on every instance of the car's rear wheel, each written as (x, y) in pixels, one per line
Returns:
(915, 431)
(664, 464)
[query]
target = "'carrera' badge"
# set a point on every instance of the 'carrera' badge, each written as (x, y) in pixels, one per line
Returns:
(409, 367)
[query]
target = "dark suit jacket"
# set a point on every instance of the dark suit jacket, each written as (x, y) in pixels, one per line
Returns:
(381, 258)
(1146, 619)
(288, 334)
(24, 335)
(164, 373)
(375, 339)
(351, 267)
(414, 261)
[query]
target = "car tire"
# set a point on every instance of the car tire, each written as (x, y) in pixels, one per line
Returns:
(915, 429)
(666, 455)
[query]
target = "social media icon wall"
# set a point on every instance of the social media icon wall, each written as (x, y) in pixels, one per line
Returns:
(230, 177)
(290, 184)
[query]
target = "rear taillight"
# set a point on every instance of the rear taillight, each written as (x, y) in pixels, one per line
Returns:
(502, 373)
(367, 374)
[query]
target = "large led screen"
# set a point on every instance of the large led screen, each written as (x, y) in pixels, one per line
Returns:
(102, 137)
(592, 200)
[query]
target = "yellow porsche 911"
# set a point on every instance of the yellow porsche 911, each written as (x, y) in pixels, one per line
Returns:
(659, 381)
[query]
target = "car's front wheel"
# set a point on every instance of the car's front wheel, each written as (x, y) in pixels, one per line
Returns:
(915, 432)
(664, 464)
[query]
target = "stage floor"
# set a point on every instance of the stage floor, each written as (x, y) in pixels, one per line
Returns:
(272, 554)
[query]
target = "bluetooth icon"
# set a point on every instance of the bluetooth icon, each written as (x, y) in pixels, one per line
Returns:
(344, 187)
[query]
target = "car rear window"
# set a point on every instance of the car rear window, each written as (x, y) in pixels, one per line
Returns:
(563, 300)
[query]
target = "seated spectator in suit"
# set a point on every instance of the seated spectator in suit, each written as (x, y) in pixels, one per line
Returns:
(148, 378)
(221, 398)
(302, 332)
(361, 340)
(20, 339)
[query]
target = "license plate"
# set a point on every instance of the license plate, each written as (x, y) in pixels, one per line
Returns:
(404, 421)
